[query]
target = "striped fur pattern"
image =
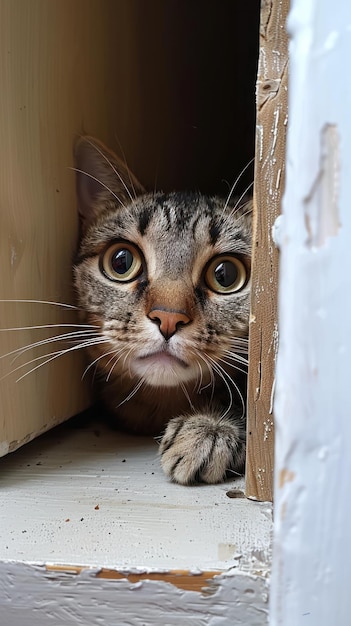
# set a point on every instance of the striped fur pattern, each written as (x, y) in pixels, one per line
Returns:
(173, 350)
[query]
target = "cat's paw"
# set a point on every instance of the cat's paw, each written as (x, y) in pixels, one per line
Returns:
(202, 448)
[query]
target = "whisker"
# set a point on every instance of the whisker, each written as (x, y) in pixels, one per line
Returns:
(234, 356)
(96, 360)
(66, 306)
(49, 326)
(128, 170)
(237, 349)
(132, 393)
(241, 343)
(209, 367)
(75, 169)
(53, 355)
(242, 215)
(237, 361)
(66, 336)
(125, 359)
(244, 340)
(239, 369)
(185, 391)
(118, 356)
(112, 167)
(198, 382)
(211, 382)
(224, 375)
(236, 182)
(231, 471)
(236, 388)
(236, 206)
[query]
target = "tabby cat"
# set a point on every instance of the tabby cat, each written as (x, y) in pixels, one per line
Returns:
(165, 279)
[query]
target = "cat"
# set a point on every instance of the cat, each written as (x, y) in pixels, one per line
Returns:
(164, 278)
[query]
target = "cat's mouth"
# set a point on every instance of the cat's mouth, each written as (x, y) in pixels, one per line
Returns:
(162, 369)
(162, 358)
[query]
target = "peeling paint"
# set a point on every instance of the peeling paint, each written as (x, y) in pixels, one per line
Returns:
(85, 598)
(322, 203)
(274, 341)
(146, 529)
(285, 476)
(277, 183)
(275, 129)
(259, 139)
(271, 404)
(268, 428)
(187, 580)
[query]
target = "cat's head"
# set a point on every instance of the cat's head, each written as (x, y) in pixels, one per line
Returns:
(165, 277)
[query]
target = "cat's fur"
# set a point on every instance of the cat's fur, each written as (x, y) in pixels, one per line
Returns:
(172, 348)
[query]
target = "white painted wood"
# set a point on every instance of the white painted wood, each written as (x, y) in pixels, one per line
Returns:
(32, 596)
(310, 581)
(142, 518)
(93, 498)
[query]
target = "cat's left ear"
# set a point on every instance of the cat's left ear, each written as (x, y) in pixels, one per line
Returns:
(100, 173)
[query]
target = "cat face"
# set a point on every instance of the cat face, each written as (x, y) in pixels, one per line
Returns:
(165, 277)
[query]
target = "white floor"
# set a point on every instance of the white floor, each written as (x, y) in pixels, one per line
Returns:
(93, 497)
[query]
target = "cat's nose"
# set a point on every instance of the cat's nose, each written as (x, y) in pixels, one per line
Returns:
(168, 321)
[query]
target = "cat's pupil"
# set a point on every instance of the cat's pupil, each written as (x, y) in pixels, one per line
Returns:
(226, 273)
(122, 261)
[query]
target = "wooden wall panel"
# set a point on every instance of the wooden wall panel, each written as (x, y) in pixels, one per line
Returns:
(269, 186)
(55, 71)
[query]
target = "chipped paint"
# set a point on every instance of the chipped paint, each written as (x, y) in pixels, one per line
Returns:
(259, 139)
(187, 580)
(274, 131)
(89, 598)
(271, 403)
(285, 476)
(268, 426)
(322, 203)
(99, 513)
(278, 231)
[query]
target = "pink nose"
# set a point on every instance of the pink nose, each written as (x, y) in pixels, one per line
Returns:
(168, 321)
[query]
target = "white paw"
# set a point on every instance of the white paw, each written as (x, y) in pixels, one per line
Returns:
(202, 448)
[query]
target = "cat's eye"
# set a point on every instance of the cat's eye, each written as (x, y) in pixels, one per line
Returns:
(121, 262)
(226, 274)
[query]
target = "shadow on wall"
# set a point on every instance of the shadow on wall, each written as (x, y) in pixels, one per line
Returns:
(192, 98)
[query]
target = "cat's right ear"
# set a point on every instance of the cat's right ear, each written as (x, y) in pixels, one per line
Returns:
(100, 174)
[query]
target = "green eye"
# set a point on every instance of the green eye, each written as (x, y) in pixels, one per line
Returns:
(226, 274)
(121, 262)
